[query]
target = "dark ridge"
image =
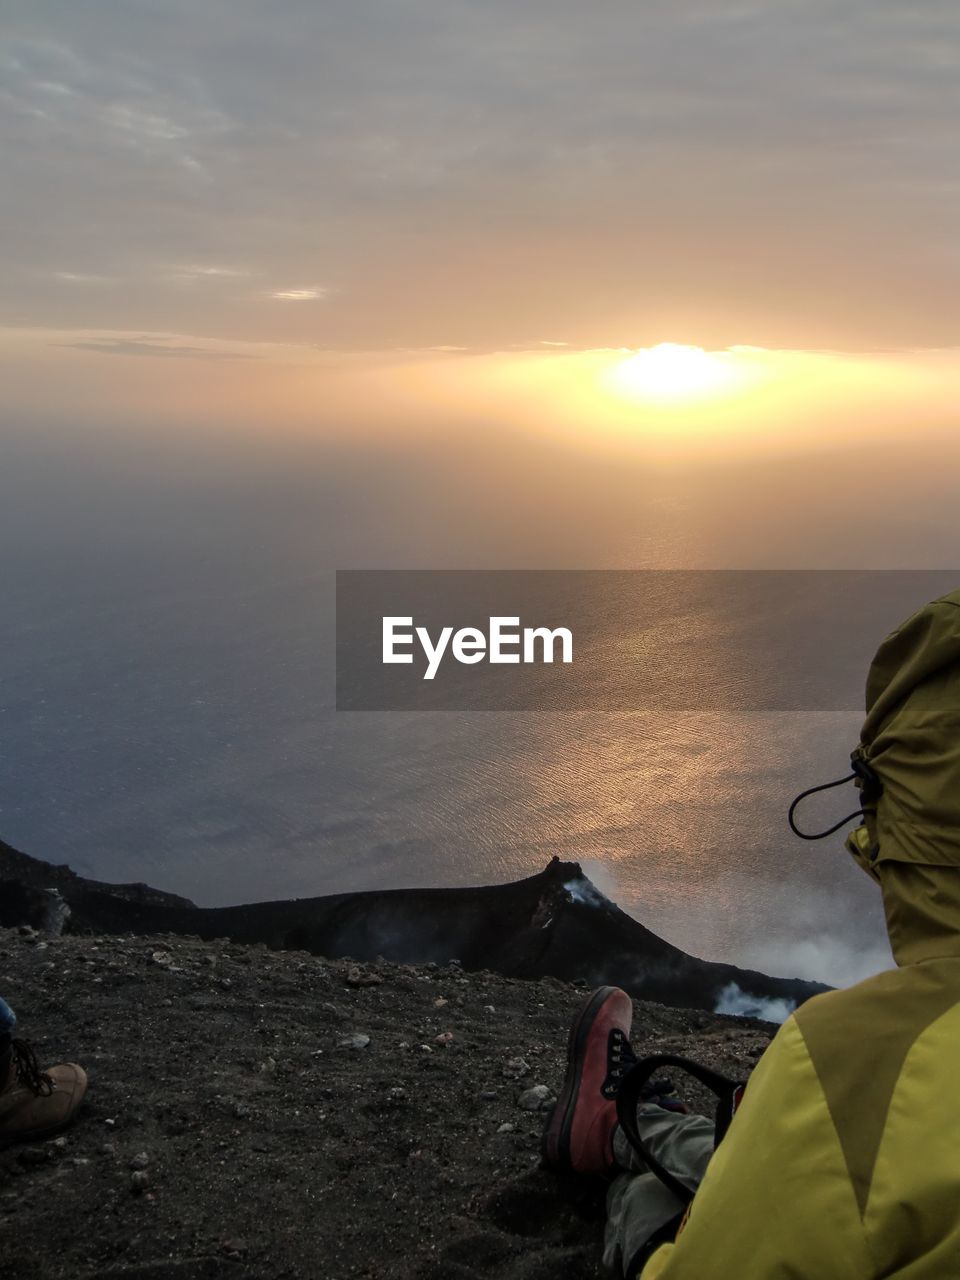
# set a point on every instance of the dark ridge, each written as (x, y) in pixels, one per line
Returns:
(555, 924)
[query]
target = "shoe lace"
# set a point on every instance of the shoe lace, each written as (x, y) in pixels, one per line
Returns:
(620, 1059)
(28, 1069)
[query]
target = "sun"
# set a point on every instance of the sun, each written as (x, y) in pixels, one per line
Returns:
(673, 373)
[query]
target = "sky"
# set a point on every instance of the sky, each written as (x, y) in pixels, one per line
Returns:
(238, 182)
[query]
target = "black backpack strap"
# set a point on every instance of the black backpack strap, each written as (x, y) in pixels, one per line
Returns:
(728, 1093)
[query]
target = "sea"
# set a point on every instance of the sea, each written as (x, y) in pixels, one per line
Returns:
(168, 707)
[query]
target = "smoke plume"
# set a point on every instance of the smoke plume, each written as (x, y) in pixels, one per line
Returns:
(741, 1004)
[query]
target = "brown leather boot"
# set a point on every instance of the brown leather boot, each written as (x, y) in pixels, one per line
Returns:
(35, 1103)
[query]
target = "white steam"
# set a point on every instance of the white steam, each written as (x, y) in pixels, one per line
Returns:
(741, 1004)
(819, 956)
(601, 877)
(598, 888)
(587, 894)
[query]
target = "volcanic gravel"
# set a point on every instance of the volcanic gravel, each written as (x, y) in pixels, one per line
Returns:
(254, 1113)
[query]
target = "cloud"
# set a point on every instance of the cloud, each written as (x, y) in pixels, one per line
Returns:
(201, 272)
(52, 86)
(144, 124)
(79, 277)
(299, 295)
(148, 347)
(695, 171)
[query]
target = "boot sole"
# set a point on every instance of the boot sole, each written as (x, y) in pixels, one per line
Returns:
(555, 1144)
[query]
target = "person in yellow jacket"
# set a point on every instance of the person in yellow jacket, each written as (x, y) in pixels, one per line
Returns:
(844, 1158)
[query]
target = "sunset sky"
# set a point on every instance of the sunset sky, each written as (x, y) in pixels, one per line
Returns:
(320, 212)
(308, 285)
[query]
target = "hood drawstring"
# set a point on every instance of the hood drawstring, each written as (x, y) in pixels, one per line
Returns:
(866, 779)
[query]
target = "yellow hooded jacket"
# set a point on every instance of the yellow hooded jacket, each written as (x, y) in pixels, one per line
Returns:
(844, 1159)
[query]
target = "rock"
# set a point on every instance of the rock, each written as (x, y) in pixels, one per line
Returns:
(440, 1002)
(268, 1067)
(514, 1068)
(139, 1180)
(140, 1160)
(506, 1127)
(537, 1098)
(34, 1155)
(445, 1038)
(356, 1041)
(57, 914)
(357, 977)
(162, 958)
(488, 1095)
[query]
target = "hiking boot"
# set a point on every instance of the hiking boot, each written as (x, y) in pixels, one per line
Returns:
(35, 1103)
(579, 1133)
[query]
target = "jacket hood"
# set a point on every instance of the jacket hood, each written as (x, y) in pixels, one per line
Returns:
(910, 837)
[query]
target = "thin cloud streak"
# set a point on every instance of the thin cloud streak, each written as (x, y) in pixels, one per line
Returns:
(299, 295)
(133, 347)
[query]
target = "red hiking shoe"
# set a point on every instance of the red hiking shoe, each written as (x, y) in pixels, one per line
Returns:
(579, 1133)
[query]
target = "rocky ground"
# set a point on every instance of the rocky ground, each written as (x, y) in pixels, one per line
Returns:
(260, 1114)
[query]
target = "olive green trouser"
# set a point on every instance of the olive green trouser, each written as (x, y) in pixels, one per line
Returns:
(638, 1204)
